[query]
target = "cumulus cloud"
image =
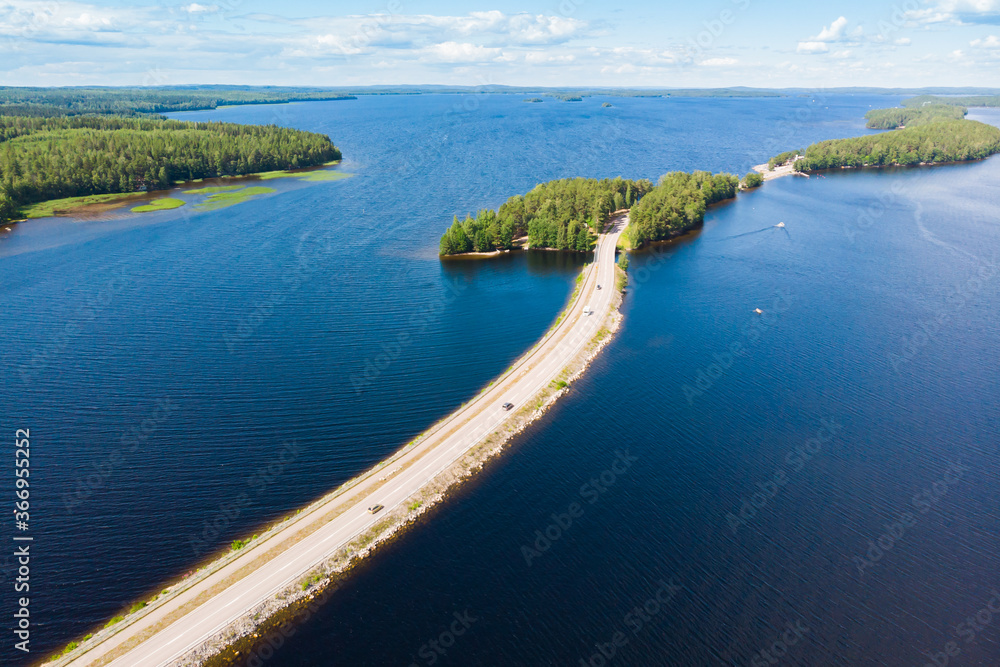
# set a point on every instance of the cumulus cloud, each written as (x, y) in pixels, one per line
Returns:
(812, 47)
(195, 8)
(455, 52)
(991, 42)
(958, 11)
(831, 33)
(353, 35)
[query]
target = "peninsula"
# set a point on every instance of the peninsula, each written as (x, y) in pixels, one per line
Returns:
(80, 150)
(932, 132)
(566, 214)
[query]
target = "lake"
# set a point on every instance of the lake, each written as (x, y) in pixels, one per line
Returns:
(831, 485)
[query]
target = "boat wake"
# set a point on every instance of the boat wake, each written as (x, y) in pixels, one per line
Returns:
(780, 226)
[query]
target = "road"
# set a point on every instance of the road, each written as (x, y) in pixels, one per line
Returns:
(445, 444)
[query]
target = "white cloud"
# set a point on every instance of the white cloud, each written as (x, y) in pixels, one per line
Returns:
(812, 47)
(958, 11)
(903, 41)
(991, 42)
(354, 35)
(831, 33)
(840, 55)
(195, 8)
(543, 58)
(719, 62)
(455, 52)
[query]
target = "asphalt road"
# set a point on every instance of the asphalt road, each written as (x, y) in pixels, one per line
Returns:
(448, 441)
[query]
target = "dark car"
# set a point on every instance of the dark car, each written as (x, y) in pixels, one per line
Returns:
(508, 406)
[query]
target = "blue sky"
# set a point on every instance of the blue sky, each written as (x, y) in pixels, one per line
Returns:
(550, 42)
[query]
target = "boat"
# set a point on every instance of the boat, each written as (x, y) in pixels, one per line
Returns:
(780, 224)
(758, 311)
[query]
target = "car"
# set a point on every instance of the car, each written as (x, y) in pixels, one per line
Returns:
(375, 508)
(508, 406)
(598, 287)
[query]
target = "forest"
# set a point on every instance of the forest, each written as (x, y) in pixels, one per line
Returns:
(563, 214)
(44, 158)
(566, 214)
(676, 205)
(932, 142)
(960, 101)
(890, 119)
(48, 102)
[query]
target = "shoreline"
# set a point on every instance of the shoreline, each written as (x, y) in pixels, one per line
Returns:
(250, 635)
(777, 172)
(101, 203)
(219, 572)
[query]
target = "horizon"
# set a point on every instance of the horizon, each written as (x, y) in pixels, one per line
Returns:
(565, 43)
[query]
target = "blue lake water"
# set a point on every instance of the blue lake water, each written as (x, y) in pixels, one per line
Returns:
(278, 321)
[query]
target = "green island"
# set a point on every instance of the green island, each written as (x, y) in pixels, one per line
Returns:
(227, 197)
(534, 100)
(164, 204)
(935, 131)
(566, 214)
(83, 159)
(562, 214)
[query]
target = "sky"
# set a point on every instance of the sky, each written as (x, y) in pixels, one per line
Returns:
(761, 43)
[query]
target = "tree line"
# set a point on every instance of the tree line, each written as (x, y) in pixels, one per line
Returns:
(961, 101)
(677, 204)
(563, 214)
(44, 158)
(932, 142)
(890, 119)
(135, 101)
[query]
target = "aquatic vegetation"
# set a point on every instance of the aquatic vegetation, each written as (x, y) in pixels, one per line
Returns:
(165, 204)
